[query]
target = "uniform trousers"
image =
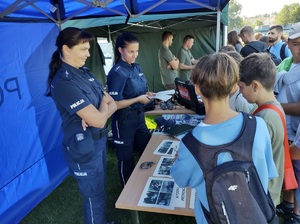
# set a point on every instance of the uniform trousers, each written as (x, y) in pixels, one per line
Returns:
(130, 134)
(91, 178)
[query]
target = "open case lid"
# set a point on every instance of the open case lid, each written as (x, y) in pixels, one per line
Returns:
(186, 92)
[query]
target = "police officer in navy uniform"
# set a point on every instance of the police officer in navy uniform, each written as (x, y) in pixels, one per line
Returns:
(128, 87)
(84, 107)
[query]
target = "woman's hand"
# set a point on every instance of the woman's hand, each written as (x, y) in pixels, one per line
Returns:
(143, 99)
(84, 124)
(151, 94)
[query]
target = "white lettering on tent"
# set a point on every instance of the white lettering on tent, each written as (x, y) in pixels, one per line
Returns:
(76, 104)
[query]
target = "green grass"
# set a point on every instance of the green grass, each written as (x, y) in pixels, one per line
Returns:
(64, 204)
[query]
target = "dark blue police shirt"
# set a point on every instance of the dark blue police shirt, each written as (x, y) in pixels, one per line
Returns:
(126, 81)
(73, 89)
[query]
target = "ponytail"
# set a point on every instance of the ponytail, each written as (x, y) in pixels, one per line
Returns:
(54, 65)
(122, 41)
(70, 36)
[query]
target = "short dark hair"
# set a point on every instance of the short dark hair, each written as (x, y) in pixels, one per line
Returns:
(278, 28)
(166, 35)
(187, 37)
(260, 67)
(247, 29)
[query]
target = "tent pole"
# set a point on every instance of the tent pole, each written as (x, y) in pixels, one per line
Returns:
(109, 34)
(218, 30)
(225, 30)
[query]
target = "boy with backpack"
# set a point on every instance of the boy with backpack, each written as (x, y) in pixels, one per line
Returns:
(257, 78)
(229, 136)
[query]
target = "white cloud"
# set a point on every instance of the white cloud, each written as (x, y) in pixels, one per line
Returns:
(256, 7)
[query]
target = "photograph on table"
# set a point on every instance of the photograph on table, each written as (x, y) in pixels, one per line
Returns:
(158, 192)
(163, 167)
(167, 148)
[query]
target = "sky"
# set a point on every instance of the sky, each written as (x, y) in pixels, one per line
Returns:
(256, 7)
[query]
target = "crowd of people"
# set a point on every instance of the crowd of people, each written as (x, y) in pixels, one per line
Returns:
(268, 83)
(242, 77)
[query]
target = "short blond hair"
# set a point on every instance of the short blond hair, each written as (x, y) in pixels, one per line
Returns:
(215, 74)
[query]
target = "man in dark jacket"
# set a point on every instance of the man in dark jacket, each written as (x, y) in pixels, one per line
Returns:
(254, 46)
(251, 44)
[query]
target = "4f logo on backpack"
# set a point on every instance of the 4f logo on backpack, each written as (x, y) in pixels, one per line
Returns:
(234, 192)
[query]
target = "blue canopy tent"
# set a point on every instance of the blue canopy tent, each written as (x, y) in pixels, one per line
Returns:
(31, 161)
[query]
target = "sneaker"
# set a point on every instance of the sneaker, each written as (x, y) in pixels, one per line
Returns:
(292, 219)
(284, 210)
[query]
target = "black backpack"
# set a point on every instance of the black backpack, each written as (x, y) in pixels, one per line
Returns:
(282, 51)
(234, 192)
(276, 60)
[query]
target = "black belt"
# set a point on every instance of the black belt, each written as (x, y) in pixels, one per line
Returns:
(99, 134)
(290, 142)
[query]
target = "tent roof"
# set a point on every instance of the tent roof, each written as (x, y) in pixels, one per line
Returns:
(110, 11)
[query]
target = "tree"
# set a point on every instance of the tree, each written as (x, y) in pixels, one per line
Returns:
(234, 11)
(289, 14)
(258, 23)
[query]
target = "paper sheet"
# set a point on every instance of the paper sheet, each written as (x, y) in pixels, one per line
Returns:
(179, 197)
(158, 192)
(164, 95)
(193, 198)
(164, 166)
(167, 148)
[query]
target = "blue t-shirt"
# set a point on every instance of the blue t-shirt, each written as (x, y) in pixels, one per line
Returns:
(275, 49)
(187, 172)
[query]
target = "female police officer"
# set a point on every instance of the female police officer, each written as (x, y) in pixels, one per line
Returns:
(128, 86)
(79, 96)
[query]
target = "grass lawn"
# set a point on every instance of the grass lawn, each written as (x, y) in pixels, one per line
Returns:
(64, 204)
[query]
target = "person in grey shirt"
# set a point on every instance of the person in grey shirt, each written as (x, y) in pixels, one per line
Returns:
(186, 60)
(168, 63)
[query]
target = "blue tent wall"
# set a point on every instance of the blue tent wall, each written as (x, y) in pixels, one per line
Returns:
(31, 160)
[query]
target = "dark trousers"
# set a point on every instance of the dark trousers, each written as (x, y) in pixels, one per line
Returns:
(130, 134)
(91, 178)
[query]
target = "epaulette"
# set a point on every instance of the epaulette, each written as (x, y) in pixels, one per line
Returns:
(85, 69)
(66, 75)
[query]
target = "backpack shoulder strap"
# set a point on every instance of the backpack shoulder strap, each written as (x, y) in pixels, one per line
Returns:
(273, 107)
(282, 51)
(207, 156)
(289, 181)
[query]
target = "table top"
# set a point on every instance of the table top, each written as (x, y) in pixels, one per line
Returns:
(132, 191)
(177, 110)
